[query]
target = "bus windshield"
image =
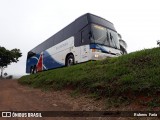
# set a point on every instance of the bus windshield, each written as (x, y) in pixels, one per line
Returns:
(104, 36)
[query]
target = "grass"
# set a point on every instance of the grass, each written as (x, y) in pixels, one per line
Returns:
(123, 78)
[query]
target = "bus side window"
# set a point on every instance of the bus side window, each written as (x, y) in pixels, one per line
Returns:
(30, 54)
(83, 36)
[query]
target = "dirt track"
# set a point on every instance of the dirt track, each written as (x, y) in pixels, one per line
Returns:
(15, 97)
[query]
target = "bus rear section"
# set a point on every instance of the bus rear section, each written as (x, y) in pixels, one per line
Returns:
(54, 57)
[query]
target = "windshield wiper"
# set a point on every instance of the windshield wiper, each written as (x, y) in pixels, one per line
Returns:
(106, 39)
(112, 39)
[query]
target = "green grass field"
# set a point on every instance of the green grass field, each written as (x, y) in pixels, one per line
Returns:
(121, 79)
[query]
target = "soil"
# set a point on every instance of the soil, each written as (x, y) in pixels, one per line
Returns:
(16, 97)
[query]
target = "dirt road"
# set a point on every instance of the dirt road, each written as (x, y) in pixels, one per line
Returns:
(15, 97)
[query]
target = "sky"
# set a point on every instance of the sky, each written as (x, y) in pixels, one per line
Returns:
(26, 23)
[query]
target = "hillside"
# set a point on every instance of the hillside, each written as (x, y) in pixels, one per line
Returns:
(134, 77)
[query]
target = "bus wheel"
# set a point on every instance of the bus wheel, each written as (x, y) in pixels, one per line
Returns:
(70, 60)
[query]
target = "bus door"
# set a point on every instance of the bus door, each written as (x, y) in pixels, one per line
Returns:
(84, 48)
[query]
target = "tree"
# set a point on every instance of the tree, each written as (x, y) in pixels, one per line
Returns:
(7, 57)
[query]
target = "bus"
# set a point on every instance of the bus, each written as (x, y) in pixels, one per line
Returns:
(89, 37)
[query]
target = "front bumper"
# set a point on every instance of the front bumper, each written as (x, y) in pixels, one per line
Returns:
(100, 56)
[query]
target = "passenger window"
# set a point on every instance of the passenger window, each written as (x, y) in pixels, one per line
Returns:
(83, 34)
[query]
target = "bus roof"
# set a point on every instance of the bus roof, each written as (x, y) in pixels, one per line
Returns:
(71, 30)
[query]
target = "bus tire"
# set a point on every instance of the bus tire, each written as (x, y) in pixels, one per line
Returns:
(70, 60)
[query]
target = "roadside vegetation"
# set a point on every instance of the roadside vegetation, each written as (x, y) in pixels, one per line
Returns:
(7, 57)
(132, 77)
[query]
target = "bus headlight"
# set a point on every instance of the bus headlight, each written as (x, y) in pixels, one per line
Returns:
(96, 56)
(118, 54)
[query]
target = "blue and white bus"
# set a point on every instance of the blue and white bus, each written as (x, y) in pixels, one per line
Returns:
(89, 37)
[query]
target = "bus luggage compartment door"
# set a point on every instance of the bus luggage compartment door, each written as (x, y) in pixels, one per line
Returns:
(84, 53)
